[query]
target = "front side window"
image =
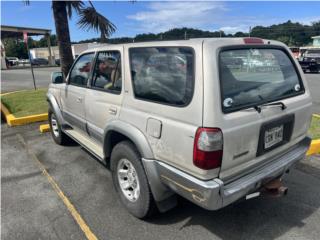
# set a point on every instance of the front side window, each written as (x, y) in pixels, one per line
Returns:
(255, 76)
(81, 70)
(107, 72)
(163, 74)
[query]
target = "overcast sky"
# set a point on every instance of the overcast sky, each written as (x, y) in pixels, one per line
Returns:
(151, 16)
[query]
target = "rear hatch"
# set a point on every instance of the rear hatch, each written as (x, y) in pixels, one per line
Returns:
(262, 108)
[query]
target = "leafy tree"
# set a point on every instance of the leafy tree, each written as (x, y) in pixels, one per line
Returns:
(89, 19)
(15, 48)
(241, 34)
(292, 34)
(43, 42)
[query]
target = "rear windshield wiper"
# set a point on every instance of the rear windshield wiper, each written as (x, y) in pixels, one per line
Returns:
(259, 107)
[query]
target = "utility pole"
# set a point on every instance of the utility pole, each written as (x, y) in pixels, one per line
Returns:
(250, 31)
(185, 35)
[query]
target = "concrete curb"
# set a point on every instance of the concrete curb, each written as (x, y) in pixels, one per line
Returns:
(18, 91)
(14, 121)
(7, 93)
(44, 128)
(315, 144)
(314, 147)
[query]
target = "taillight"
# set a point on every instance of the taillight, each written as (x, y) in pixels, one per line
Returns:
(208, 148)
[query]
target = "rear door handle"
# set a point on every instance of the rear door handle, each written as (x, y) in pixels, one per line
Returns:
(113, 110)
(79, 100)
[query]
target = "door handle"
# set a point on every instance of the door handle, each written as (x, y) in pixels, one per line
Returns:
(79, 100)
(112, 110)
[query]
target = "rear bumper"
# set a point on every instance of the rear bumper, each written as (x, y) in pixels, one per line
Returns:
(214, 194)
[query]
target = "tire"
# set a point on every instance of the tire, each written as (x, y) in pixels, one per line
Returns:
(134, 193)
(55, 128)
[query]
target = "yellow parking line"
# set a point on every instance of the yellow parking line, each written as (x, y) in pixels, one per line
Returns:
(77, 217)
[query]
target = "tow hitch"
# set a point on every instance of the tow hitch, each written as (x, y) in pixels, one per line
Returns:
(274, 188)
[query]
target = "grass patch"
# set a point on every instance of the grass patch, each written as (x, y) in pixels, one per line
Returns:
(314, 129)
(26, 103)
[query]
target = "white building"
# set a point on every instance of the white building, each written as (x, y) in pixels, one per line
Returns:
(76, 50)
(3, 55)
(316, 41)
(44, 52)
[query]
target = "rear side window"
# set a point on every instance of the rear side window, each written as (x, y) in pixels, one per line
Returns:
(107, 72)
(255, 76)
(80, 72)
(163, 74)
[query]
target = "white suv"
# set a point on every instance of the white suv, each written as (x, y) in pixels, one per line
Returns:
(212, 120)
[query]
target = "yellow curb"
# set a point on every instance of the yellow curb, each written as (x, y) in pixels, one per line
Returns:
(316, 115)
(44, 128)
(314, 147)
(7, 93)
(14, 121)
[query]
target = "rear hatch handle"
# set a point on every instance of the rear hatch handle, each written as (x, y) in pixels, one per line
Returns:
(259, 107)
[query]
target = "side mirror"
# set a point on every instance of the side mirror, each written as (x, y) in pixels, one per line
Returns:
(57, 77)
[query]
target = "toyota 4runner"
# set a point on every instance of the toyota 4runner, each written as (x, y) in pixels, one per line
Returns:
(213, 120)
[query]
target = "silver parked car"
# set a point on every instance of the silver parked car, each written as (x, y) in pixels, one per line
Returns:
(213, 120)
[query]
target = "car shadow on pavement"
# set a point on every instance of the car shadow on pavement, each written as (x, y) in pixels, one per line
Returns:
(263, 217)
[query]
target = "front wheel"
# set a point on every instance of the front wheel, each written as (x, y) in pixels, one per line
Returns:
(130, 180)
(57, 134)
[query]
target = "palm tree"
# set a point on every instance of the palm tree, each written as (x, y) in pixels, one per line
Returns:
(89, 19)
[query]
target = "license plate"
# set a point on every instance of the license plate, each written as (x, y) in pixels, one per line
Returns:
(273, 136)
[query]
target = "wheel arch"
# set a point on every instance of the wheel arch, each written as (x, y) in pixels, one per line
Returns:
(54, 106)
(117, 131)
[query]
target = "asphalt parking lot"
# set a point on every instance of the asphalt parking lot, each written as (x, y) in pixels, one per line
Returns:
(32, 209)
(314, 86)
(20, 79)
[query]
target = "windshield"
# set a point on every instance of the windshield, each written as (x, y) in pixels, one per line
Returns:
(255, 76)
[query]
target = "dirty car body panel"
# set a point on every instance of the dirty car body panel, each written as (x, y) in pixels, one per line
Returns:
(160, 107)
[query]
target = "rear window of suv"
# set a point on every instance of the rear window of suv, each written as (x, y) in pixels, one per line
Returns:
(163, 74)
(255, 76)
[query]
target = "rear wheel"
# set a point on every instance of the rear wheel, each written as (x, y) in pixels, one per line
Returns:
(57, 134)
(130, 180)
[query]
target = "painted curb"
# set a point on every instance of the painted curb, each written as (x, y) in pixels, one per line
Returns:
(13, 121)
(7, 93)
(315, 144)
(314, 147)
(44, 128)
(18, 91)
